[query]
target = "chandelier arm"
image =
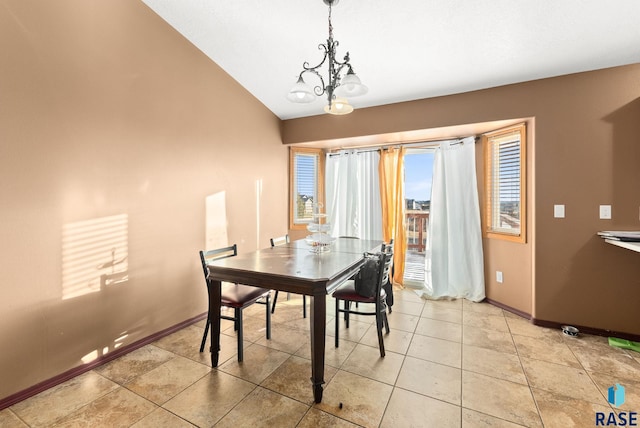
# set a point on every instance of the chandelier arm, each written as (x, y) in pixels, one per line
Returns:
(319, 90)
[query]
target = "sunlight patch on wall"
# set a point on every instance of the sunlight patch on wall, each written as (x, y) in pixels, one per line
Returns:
(216, 221)
(94, 255)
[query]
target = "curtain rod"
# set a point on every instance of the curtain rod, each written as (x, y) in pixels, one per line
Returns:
(426, 144)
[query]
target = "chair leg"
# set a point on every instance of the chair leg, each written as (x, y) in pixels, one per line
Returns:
(337, 320)
(347, 308)
(269, 318)
(379, 328)
(275, 299)
(240, 335)
(386, 321)
(204, 336)
(304, 306)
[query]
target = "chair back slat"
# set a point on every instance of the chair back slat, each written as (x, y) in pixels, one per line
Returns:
(280, 240)
(217, 254)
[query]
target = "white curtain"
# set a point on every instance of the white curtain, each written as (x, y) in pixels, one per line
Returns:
(352, 187)
(455, 268)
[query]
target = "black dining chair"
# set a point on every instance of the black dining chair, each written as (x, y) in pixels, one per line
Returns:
(282, 240)
(347, 293)
(235, 296)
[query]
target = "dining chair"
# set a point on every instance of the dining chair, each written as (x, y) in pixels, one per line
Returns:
(388, 286)
(347, 293)
(235, 296)
(282, 240)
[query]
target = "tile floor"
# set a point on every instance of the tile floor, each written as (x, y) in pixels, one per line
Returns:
(448, 364)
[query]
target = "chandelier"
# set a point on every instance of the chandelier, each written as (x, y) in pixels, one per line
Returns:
(338, 87)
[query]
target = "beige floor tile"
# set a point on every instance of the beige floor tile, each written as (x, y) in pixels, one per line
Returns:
(431, 379)
(408, 307)
(120, 407)
(259, 362)
(354, 333)
(545, 350)
(50, 405)
(473, 419)
(489, 322)
(366, 361)
(167, 380)
(135, 363)
(9, 419)
(523, 327)
(500, 398)
(631, 388)
(406, 294)
(438, 312)
(493, 363)
(254, 329)
(484, 308)
(292, 379)
(490, 339)
(397, 341)
(445, 303)
(403, 322)
(440, 329)
(363, 400)
(436, 350)
(186, 342)
(161, 418)
(285, 338)
(318, 419)
(264, 408)
(607, 359)
(559, 411)
(333, 356)
(562, 380)
(408, 409)
(205, 402)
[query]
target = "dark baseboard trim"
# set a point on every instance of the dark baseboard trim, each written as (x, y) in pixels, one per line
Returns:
(509, 308)
(117, 353)
(588, 330)
(558, 326)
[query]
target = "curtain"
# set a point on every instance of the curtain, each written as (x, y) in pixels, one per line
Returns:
(353, 194)
(455, 268)
(393, 206)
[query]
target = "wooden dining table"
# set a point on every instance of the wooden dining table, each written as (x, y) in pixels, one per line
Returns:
(294, 268)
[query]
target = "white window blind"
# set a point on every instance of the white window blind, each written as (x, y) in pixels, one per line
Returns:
(305, 186)
(505, 184)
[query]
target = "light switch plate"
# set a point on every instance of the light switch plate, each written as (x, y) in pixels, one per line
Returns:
(558, 211)
(499, 276)
(605, 212)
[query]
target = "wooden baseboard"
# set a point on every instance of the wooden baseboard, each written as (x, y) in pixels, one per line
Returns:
(588, 330)
(558, 326)
(117, 353)
(509, 308)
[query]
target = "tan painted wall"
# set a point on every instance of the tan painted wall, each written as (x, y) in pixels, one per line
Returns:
(105, 110)
(585, 151)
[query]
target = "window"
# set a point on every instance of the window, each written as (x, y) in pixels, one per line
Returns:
(505, 208)
(306, 181)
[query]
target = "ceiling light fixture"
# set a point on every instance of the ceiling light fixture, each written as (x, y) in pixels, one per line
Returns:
(338, 87)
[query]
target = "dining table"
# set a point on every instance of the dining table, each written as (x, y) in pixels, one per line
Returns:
(296, 268)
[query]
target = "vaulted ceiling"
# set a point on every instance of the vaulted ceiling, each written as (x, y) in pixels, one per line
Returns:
(406, 49)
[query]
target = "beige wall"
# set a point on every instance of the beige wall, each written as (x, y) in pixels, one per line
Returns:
(107, 111)
(584, 151)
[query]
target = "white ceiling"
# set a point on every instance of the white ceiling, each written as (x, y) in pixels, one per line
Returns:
(406, 49)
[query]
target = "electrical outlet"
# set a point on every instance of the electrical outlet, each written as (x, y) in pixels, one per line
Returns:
(605, 212)
(499, 276)
(558, 211)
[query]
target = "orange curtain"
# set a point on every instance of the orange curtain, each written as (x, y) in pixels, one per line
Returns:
(391, 170)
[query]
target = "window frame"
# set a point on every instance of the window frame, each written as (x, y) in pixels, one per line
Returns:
(488, 141)
(319, 185)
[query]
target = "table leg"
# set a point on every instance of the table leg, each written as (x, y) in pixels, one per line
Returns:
(318, 320)
(214, 308)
